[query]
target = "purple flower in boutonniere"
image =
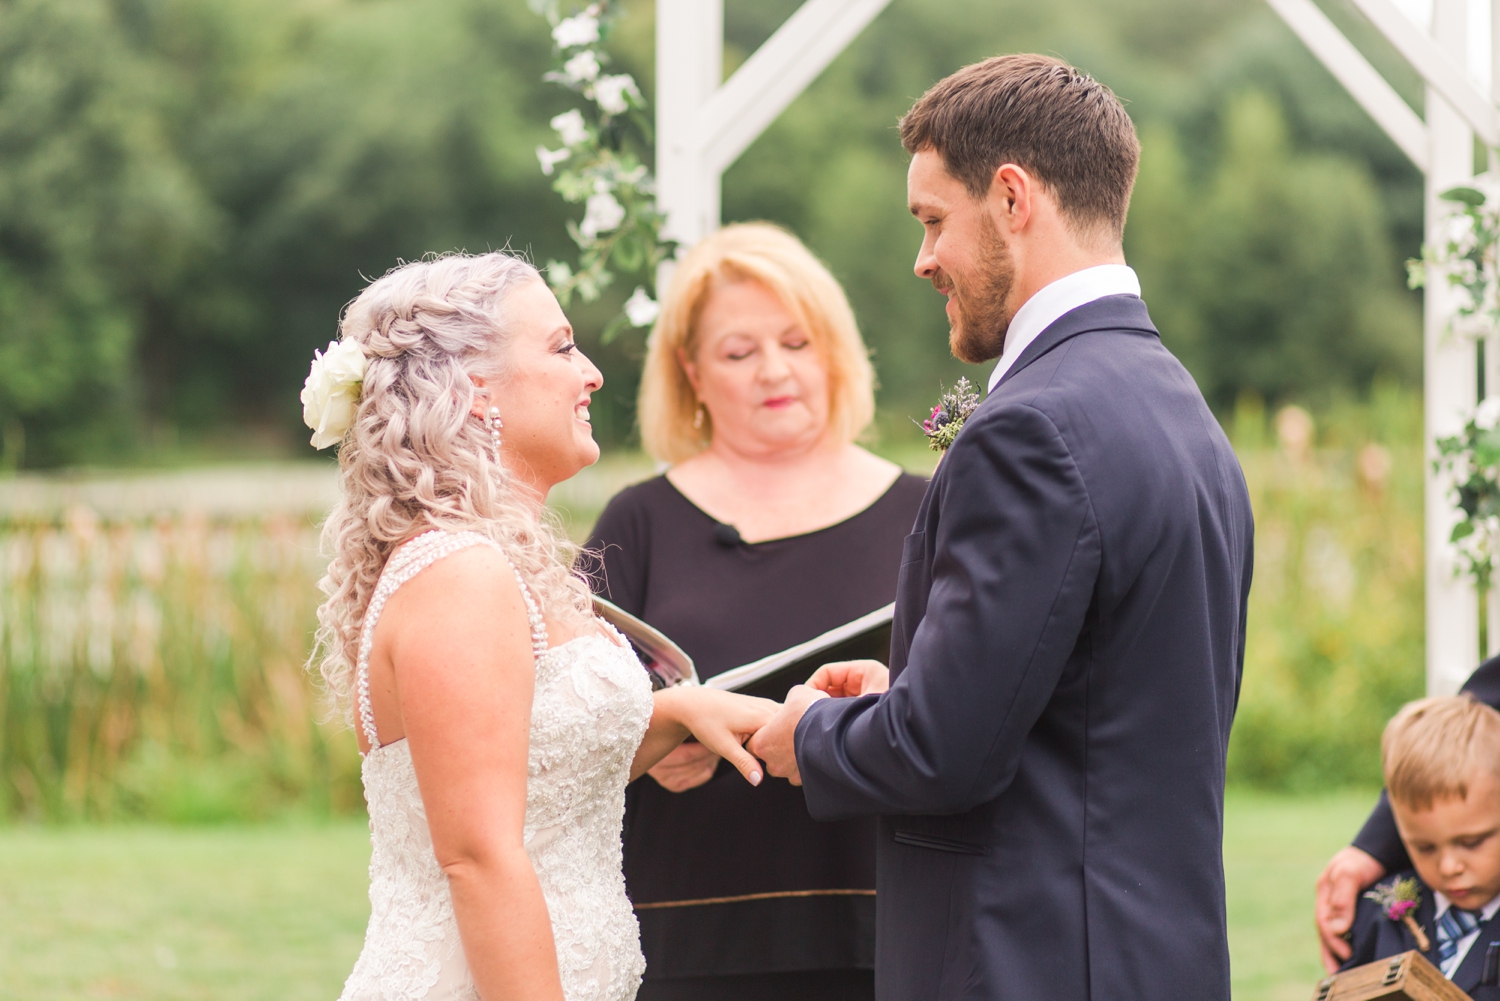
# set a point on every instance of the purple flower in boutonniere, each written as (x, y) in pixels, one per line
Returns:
(1399, 899)
(947, 419)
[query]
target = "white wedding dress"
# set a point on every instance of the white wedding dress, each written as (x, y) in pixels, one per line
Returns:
(589, 712)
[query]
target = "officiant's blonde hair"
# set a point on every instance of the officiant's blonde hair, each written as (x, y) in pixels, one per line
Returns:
(770, 256)
(1434, 748)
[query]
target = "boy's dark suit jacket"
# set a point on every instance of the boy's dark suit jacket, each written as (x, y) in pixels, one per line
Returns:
(1066, 654)
(1379, 836)
(1378, 937)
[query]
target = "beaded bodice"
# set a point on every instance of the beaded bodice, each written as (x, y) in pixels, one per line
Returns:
(590, 709)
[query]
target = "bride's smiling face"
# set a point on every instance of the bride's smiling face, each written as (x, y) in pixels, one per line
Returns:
(543, 392)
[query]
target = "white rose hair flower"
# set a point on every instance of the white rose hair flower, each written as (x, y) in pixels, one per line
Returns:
(330, 395)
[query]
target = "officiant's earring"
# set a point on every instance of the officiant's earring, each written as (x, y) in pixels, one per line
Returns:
(495, 427)
(698, 418)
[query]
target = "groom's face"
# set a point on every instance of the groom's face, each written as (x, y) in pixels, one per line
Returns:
(964, 256)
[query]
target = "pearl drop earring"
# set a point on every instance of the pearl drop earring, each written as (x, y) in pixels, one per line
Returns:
(698, 418)
(495, 427)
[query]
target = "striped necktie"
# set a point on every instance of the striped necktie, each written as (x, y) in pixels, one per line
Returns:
(1451, 929)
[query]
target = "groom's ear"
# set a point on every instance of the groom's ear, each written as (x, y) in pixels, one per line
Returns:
(1011, 197)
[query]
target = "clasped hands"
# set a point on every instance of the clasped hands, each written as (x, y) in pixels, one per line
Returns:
(691, 765)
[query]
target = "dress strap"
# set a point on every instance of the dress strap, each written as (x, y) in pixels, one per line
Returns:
(405, 563)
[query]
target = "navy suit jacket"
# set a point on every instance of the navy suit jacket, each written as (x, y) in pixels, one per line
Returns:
(1048, 764)
(1377, 937)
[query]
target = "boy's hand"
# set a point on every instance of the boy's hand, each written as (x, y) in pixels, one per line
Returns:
(1348, 872)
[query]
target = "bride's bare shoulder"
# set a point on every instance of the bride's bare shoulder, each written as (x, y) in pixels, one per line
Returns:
(477, 579)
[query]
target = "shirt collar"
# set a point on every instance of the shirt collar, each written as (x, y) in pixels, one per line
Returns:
(1443, 903)
(1052, 301)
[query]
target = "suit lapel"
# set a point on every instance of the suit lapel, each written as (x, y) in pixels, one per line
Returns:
(1466, 977)
(1113, 312)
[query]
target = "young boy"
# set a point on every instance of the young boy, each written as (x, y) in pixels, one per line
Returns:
(1442, 772)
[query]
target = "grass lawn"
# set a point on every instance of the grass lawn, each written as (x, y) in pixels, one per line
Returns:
(235, 914)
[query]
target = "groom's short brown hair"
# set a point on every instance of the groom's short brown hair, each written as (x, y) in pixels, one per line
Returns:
(1056, 122)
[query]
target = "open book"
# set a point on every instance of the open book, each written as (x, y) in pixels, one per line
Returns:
(865, 638)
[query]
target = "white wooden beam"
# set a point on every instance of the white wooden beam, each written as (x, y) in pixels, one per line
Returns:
(1363, 82)
(1441, 66)
(1449, 378)
(689, 68)
(776, 73)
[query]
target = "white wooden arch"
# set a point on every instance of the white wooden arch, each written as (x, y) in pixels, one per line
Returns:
(703, 124)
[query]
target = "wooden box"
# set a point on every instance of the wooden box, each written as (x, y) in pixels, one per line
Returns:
(1407, 977)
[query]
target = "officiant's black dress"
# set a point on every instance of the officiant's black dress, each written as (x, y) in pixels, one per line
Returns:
(734, 883)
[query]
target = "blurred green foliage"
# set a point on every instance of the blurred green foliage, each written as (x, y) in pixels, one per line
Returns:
(1335, 636)
(191, 189)
(151, 667)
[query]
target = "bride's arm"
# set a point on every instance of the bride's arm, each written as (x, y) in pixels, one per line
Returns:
(461, 650)
(722, 722)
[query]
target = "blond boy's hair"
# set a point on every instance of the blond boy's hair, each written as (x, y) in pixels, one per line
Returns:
(671, 429)
(1433, 748)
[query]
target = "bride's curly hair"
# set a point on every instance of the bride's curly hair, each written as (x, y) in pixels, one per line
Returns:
(416, 458)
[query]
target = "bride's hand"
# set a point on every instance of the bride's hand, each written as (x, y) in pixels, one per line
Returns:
(848, 678)
(722, 722)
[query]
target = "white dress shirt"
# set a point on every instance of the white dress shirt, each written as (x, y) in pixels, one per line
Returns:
(1052, 301)
(1467, 942)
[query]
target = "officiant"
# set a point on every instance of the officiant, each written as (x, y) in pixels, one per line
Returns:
(769, 527)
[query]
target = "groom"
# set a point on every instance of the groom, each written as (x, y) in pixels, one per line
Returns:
(1048, 763)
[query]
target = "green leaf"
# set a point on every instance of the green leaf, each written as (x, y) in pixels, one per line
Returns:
(1462, 530)
(1466, 195)
(619, 323)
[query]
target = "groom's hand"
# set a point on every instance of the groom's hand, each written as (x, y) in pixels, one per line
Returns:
(776, 742)
(847, 678)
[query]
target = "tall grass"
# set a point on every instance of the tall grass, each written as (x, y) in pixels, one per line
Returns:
(153, 666)
(153, 631)
(1335, 637)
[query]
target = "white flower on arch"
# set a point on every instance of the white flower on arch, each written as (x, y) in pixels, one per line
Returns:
(640, 309)
(611, 93)
(582, 67)
(601, 214)
(549, 159)
(580, 29)
(571, 127)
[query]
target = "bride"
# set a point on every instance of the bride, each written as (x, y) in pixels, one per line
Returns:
(498, 718)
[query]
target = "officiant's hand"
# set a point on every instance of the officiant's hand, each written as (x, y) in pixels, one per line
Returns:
(845, 679)
(1349, 871)
(687, 767)
(776, 742)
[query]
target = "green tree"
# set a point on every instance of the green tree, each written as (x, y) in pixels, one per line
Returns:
(1273, 274)
(100, 220)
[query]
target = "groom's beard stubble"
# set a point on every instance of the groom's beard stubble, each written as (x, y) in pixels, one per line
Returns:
(977, 330)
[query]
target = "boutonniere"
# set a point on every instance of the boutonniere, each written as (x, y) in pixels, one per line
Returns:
(1399, 900)
(947, 419)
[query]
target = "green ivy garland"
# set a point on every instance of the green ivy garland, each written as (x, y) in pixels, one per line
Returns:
(1468, 258)
(596, 166)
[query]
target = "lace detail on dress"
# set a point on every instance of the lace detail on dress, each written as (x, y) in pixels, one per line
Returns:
(590, 709)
